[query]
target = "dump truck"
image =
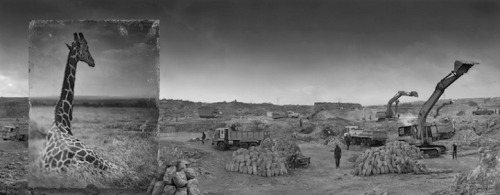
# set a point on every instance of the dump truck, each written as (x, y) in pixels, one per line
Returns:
(225, 138)
(14, 133)
(482, 111)
(369, 138)
(278, 115)
(365, 137)
(208, 112)
(422, 134)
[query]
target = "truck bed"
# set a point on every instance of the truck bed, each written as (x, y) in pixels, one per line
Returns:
(374, 135)
(246, 135)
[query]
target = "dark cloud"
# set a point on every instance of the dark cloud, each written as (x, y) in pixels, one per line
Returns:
(321, 50)
(302, 51)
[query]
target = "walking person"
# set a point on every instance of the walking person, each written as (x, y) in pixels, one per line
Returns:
(454, 151)
(348, 140)
(203, 136)
(337, 155)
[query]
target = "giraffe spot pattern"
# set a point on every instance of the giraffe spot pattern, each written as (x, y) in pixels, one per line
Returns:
(67, 151)
(82, 153)
(58, 156)
(62, 149)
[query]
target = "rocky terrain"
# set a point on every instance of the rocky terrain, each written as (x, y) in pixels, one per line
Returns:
(477, 136)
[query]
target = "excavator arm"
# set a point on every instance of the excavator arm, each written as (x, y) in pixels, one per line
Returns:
(389, 112)
(439, 108)
(396, 107)
(461, 67)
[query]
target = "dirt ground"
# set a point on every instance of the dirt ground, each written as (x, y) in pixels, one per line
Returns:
(321, 177)
(13, 166)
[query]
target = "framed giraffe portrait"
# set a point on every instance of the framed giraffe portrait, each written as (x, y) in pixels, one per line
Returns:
(94, 88)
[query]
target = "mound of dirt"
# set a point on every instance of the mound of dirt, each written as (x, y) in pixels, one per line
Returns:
(335, 140)
(258, 161)
(284, 147)
(485, 178)
(394, 157)
(465, 136)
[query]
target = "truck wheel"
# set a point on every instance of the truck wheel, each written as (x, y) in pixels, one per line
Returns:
(244, 145)
(254, 144)
(221, 146)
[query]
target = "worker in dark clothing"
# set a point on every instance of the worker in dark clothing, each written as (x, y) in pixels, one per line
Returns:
(203, 136)
(454, 151)
(348, 140)
(337, 155)
(300, 122)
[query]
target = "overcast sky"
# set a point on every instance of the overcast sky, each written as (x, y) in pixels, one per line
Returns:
(125, 54)
(298, 51)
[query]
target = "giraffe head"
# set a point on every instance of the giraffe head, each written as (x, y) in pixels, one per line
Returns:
(80, 50)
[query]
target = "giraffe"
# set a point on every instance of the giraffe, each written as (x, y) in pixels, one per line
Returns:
(62, 149)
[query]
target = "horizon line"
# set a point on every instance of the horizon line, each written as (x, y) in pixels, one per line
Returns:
(367, 105)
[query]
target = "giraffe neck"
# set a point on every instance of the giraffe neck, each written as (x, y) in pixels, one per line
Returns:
(64, 107)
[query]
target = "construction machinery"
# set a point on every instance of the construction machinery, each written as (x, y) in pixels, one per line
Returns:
(208, 112)
(279, 115)
(298, 161)
(14, 133)
(482, 111)
(423, 134)
(389, 114)
(365, 137)
(440, 107)
(445, 128)
(225, 138)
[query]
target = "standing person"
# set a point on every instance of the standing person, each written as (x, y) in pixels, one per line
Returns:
(454, 151)
(337, 155)
(300, 122)
(348, 140)
(203, 136)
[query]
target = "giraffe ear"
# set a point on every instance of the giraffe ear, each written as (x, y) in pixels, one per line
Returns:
(69, 46)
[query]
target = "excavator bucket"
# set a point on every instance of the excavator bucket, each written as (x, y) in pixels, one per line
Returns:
(461, 67)
(413, 94)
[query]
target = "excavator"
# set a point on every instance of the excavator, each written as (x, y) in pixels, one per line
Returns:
(442, 105)
(422, 135)
(389, 114)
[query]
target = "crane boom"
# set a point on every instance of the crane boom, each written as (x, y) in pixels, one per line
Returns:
(461, 67)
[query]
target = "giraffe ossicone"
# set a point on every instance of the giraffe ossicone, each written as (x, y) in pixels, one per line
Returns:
(62, 149)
